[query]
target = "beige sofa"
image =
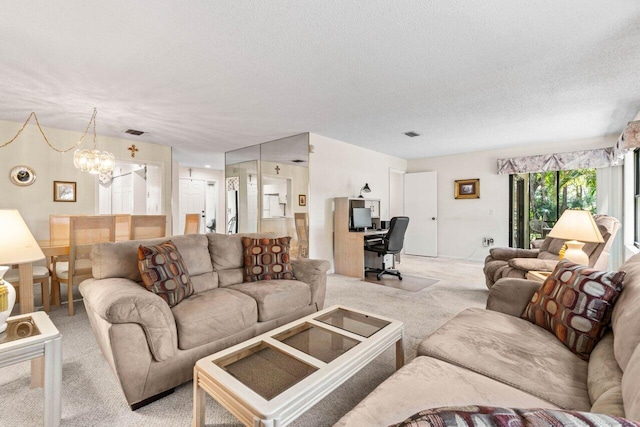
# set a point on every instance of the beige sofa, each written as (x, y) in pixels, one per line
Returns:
(516, 263)
(493, 358)
(152, 348)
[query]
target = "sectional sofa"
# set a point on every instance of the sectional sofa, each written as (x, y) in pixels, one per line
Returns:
(493, 357)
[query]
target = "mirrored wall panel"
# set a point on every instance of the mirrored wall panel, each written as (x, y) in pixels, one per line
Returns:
(280, 195)
(241, 179)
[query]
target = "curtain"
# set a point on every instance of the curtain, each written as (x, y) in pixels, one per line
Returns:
(610, 202)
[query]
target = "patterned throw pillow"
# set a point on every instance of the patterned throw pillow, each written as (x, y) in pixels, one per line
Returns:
(575, 304)
(472, 416)
(266, 259)
(164, 272)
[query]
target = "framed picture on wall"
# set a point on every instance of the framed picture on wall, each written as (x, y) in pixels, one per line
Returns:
(302, 200)
(64, 191)
(467, 189)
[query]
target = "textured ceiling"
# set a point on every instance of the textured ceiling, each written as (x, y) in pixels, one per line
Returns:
(212, 76)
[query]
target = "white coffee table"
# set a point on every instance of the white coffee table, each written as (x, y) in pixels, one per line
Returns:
(272, 379)
(34, 337)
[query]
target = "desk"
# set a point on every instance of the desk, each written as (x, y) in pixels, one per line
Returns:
(349, 252)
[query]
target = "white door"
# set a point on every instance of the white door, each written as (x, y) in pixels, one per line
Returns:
(192, 200)
(421, 206)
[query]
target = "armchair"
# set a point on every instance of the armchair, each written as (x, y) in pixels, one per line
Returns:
(516, 263)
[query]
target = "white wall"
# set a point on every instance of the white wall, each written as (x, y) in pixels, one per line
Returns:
(338, 169)
(206, 175)
(35, 202)
(462, 223)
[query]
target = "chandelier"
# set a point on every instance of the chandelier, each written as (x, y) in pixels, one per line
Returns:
(93, 161)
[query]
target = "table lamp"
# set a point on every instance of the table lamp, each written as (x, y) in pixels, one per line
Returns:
(365, 189)
(17, 246)
(577, 227)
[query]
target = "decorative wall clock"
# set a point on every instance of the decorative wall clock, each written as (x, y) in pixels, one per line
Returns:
(22, 175)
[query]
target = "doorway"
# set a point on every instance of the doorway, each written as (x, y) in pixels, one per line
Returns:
(132, 188)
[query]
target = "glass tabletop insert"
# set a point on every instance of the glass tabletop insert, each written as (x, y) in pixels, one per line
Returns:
(18, 329)
(317, 342)
(265, 369)
(356, 323)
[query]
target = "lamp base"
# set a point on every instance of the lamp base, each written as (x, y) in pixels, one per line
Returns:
(7, 299)
(574, 253)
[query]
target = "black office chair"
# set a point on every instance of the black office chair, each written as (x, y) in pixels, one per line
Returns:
(391, 244)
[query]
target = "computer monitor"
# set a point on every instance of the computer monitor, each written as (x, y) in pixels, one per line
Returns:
(361, 217)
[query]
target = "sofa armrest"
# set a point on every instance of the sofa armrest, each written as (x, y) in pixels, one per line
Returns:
(505, 254)
(314, 273)
(533, 264)
(119, 300)
(511, 296)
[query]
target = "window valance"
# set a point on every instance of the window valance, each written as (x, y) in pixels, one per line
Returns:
(599, 158)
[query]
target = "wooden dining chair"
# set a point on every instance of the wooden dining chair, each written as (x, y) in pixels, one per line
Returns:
(123, 227)
(192, 224)
(59, 229)
(148, 226)
(41, 275)
(84, 231)
(302, 230)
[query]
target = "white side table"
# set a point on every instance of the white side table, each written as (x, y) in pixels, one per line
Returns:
(34, 337)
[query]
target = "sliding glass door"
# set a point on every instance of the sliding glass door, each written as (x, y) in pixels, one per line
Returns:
(545, 198)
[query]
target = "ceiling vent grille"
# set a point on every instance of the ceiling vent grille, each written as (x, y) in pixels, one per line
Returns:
(134, 132)
(411, 134)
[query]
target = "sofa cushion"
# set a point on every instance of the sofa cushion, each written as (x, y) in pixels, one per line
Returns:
(604, 374)
(225, 252)
(164, 273)
(630, 389)
(266, 259)
(514, 351)
(625, 320)
(575, 304)
(276, 298)
(213, 315)
(226, 249)
(428, 382)
(472, 415)
(120, 259)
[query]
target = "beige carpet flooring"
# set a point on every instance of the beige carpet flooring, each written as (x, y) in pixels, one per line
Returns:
(91, 395)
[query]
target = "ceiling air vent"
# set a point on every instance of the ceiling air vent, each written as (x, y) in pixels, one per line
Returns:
(134, 132)
(411, 134)
(297, 161)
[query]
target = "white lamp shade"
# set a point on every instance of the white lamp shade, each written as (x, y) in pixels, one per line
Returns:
(17, 244)
(576, 225)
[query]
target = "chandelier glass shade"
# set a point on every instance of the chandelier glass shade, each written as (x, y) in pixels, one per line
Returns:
(94, 161)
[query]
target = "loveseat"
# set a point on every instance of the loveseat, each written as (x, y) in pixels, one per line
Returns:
(151, 347)
(493, 357)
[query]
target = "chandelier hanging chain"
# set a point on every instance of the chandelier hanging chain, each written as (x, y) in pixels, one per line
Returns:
(35, 117)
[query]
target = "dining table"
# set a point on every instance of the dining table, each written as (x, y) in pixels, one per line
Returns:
(50, 249)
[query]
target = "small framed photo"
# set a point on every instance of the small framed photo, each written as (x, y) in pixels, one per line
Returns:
(302, 200)
(64, 191)
(467, 189)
